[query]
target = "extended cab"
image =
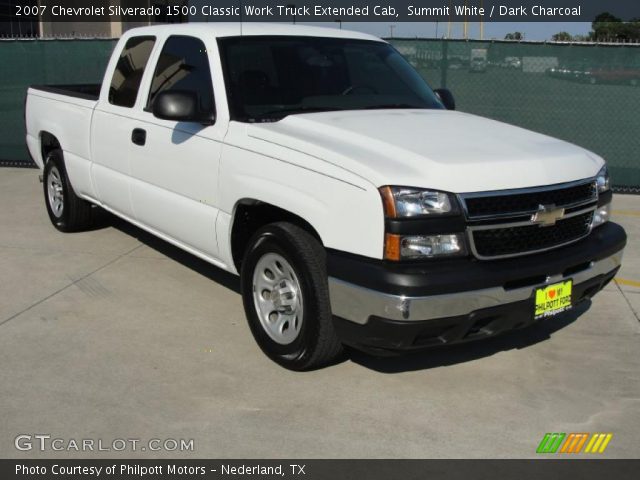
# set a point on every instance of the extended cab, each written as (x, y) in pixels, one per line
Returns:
(357, 206)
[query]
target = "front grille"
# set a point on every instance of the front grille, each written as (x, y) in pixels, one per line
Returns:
(520, 240)
(501, 204)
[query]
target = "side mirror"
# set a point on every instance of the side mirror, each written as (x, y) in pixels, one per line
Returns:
(446, 97)
(180, 106)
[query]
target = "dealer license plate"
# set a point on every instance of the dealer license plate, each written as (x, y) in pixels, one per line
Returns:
(553, 299)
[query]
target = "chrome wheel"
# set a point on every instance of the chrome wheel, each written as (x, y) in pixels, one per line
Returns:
(278, 298)
(55, 192)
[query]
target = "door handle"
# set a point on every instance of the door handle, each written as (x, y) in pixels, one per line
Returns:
(139, 136)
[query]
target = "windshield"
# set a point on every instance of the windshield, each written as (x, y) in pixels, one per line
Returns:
(269, 78)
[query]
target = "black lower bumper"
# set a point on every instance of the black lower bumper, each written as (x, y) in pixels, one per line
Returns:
(464, 277)
(383, 336)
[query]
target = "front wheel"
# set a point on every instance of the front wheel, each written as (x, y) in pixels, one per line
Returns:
(286, 297)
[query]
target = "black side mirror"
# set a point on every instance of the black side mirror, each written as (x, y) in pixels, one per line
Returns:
(180, 106)
(446, 97)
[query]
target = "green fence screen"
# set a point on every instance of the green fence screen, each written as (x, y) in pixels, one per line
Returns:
(586, 94)
(41, 62)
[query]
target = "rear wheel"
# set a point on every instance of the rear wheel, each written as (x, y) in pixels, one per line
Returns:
(67, 212)
(286, 297)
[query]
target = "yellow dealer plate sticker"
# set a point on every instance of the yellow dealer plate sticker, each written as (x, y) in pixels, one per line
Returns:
(553, 299)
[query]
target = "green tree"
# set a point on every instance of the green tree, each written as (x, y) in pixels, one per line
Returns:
(562, 37)
(583, 38)
(514, 36)
(630, 31)
(607, 27)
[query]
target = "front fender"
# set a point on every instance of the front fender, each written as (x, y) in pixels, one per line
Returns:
(348, 217)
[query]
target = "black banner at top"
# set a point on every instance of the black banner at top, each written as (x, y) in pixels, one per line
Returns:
(324, 10)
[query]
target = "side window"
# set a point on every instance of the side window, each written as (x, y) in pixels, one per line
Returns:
(184, 65)
(129, 70)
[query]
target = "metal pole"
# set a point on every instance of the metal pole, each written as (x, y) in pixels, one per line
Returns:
(293, 9)
(449, 26)
(481, 24)
(466, 23)
(444, 64)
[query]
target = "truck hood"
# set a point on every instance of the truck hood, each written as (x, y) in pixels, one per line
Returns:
(450, 151)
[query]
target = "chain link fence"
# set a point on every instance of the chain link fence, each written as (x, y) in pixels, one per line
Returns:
(586, 94)
(41, 62)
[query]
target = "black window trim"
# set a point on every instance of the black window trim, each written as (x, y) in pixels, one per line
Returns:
(133, 37)
(147, 106)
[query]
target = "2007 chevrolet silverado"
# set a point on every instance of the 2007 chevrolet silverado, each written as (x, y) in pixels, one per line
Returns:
(357, 206)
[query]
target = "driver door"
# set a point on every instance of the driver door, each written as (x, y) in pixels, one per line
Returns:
(174, 174)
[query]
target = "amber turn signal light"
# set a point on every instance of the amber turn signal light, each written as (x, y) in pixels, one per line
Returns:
(388, 202)
(392, 247)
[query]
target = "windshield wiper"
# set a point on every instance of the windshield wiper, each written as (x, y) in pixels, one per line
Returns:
(283, 112)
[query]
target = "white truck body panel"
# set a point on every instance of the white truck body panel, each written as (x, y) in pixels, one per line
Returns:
(439, 149)
(305, 185)
(63, 116)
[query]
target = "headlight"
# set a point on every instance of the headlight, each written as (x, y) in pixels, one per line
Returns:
(602, 179)
(603, 212)
(601, 215)
(403, 202)
(412, 247)
(432, 246)
(406, 205)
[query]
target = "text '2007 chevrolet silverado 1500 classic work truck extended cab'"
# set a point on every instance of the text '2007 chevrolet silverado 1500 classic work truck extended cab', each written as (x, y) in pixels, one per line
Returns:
(358, 208)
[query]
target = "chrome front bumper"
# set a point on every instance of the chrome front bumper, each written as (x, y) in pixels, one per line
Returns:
(357, 304)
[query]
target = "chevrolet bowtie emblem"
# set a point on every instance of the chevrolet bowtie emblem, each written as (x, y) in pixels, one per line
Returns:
(547, 215)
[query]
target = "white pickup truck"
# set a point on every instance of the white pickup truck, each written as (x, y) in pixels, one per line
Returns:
(357, 206)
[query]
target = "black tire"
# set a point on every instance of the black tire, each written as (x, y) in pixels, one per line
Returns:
(316, 344)
(76, 213)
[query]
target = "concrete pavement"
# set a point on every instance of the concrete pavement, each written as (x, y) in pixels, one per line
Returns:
(112, 334)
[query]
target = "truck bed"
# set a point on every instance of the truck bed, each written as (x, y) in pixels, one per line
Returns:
(86, 91)
(64, 111)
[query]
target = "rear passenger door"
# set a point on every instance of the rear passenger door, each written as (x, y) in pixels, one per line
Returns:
(174, 174)
(113, 123)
